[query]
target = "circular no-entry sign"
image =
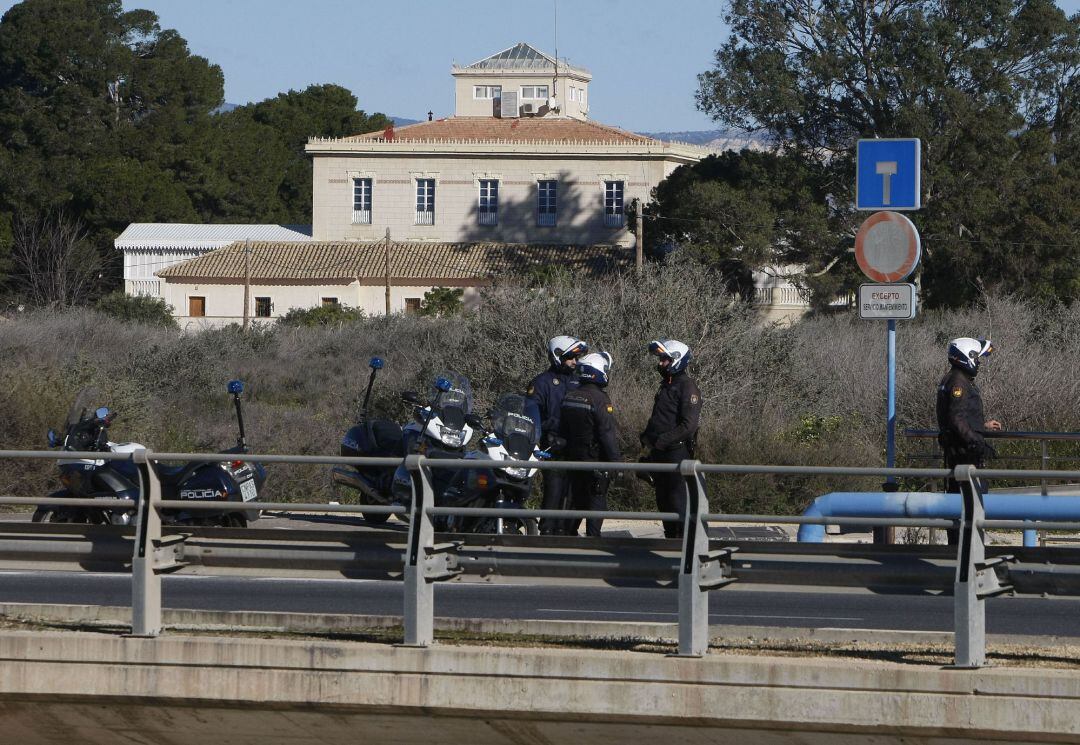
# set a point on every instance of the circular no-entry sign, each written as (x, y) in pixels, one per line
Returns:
(887, 247)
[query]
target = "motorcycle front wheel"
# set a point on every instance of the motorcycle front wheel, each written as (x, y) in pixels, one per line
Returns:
(375, 518)
(511, 526)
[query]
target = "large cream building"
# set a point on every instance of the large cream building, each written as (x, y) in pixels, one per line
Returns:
(518, 162)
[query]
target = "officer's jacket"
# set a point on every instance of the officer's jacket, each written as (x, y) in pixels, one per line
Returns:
(960, 413)
(547, 390)
(676, 414)
(587, 422)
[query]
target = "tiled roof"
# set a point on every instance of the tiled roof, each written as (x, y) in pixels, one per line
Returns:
(194, 235)
(490, 129)
(521, 56)
(416, 260)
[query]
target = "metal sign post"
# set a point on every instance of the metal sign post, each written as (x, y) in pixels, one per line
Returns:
(888, 248)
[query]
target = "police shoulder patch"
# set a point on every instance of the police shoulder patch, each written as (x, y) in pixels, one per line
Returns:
(554, 381)
(957, 392)
(694, 398)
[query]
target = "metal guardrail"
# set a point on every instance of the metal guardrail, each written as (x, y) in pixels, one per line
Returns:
(696, 567)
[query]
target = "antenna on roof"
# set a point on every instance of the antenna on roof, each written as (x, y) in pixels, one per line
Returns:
(555, 80)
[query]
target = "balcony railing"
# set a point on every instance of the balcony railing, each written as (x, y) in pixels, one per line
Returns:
(545, 219)
(148, 287)
(614, 220)
(425, 217)
(489, 218)
(361, 217)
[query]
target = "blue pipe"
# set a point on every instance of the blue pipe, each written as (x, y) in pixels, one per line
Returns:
(936, 505)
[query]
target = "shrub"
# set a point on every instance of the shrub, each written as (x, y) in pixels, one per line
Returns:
(442, 302)
(151, 311)
(333, 314)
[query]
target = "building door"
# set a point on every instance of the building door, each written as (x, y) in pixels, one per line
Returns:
(196, 306)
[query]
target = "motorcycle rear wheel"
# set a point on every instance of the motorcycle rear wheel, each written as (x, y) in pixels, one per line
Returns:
(82, 517)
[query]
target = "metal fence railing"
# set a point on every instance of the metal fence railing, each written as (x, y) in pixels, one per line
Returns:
(696, 566)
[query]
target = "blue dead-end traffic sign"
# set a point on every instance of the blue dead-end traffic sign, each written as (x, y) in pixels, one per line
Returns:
(888, 174)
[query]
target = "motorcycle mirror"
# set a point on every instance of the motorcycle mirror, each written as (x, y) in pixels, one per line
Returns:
(236, 387)
(442, 384)
(376, 363)
(53, 439)
(102, 413)
(410, 397)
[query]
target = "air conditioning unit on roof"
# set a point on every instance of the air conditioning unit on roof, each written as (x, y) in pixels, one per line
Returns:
(508, 105)
(528, 108)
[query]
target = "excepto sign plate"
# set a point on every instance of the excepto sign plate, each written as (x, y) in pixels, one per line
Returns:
(887, 301)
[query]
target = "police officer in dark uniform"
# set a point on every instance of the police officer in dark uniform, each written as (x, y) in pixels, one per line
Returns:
(587, 423)
(961, 422)
(545, 394)
(671, 433)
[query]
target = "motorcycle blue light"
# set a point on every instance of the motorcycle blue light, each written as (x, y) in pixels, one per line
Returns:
(442, 384)
(376, 363)
(236, 387)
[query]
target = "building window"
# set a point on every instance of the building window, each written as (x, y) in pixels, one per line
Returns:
(573, 93)
(487, 91)
(534, 92)
(361, 201)
(263, 306)
(196, 306)
(545, 202)
(425, 201)
(489, 202)
(412, 306)
(329, 301)
(613, 204)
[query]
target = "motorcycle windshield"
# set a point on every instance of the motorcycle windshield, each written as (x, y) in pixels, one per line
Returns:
(454, 404)
(82, 404)
(512, 424)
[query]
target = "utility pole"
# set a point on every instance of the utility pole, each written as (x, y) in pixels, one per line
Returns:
(639, 244)
(247, 283)
(386, 270)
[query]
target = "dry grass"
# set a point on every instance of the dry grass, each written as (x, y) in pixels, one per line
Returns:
(809, 394)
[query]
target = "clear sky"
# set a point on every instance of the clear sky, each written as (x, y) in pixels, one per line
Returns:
(395, 55)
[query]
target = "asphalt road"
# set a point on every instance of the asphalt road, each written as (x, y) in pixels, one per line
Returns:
(855, 609)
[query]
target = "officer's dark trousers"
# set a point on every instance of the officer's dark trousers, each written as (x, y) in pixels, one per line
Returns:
(588, 491)
(952, 486)
(555, 498)
(671, 488)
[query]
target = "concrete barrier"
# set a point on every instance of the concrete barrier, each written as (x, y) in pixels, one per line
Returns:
(68, 687)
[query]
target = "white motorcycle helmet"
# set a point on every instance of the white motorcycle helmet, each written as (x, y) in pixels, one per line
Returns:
(673, 350)
(966, 353)
(563, 348)
(594, 368)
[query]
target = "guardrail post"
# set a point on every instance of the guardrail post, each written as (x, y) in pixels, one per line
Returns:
(419, 589)
(693, 600)
(146, 583)
(969, 612)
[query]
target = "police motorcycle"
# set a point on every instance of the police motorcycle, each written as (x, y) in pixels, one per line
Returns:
(511, 436)
(87, 430)
(371, 437)
(441, 428)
